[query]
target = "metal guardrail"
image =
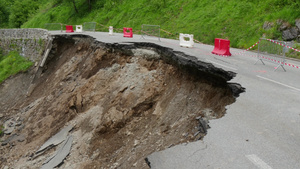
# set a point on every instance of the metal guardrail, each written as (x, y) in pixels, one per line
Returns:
(272, 52)
(54, 26)
(150, 30)
(89, 26)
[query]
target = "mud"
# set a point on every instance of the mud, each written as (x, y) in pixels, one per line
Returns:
(126, 101)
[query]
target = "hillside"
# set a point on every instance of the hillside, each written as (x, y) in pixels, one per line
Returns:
(240, 21)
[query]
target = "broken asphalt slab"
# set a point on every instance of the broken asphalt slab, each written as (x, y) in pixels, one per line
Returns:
(56, 139)
(60, 155)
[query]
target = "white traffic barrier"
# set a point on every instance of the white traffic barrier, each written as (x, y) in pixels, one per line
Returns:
(78, 28)
(186, 40)
(111, 30)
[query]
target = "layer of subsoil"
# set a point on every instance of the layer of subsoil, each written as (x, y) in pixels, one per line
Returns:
(125, 101)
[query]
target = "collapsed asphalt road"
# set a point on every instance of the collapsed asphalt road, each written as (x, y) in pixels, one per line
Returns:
(125, 102)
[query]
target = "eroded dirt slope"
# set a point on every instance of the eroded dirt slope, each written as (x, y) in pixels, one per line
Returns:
(124, 101)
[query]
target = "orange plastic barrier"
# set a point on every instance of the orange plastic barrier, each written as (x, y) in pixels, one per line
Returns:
(69, 29)
(222, 47)
(127, 32)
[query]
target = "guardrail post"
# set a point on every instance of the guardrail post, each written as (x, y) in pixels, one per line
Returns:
(258, 57)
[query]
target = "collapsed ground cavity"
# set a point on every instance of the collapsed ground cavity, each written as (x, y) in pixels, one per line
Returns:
(125, 102)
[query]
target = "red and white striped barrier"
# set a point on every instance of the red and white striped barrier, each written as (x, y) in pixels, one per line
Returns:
(247, 49)
(270, 59)
(288, 64)
(274, 60)
(283, 45)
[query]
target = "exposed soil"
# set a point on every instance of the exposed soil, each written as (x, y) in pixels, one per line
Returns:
(126, 101)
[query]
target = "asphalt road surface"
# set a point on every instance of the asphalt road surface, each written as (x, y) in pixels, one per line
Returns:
(260, 130)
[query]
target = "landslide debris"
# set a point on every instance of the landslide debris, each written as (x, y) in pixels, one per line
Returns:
(123, 101)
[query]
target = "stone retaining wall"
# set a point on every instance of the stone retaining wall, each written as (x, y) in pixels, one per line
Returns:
(30, 43)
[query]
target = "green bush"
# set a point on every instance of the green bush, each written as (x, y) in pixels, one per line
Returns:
(11, 64)
(4, 13)
(21, 11)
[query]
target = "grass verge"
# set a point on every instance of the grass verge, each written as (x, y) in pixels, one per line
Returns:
(11, 64)
(239, 21)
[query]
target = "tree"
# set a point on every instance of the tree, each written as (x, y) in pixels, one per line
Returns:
(5, 6)
(90, 6)
(20, 12)
(74, 4)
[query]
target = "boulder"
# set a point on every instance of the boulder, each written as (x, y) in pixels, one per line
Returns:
(290, 34)
(284, 26)
(9, 126)
(297, 23)
(268, 25)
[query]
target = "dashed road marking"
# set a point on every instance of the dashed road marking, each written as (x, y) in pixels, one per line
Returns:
(221, 65)
(258, 162)
(291, 87)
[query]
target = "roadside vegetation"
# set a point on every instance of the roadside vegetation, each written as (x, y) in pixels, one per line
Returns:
(294, 54)
(12, 64)
(240, 21)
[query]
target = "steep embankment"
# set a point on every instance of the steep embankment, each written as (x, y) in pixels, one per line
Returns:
(121, 103)
(243, 22)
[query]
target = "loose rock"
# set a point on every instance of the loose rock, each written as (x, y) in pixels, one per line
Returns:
(9, 126)
(56, 139)
(290, 34)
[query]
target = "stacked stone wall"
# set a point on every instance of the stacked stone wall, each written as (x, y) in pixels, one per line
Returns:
(30, 43)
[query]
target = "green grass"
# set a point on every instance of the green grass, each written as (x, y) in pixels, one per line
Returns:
(294, 54)
(12, 64)
(239, 21)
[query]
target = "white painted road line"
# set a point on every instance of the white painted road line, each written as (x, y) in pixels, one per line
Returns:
(221, 65)
(291, 87)
(258, 162)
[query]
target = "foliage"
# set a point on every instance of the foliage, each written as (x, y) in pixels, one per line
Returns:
(240, 21)
(4, 12)
(21, 11)
(12, 64)
(294, 54)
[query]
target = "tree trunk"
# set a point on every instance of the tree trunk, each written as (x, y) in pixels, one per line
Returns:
(90, 6)
(75, 6)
